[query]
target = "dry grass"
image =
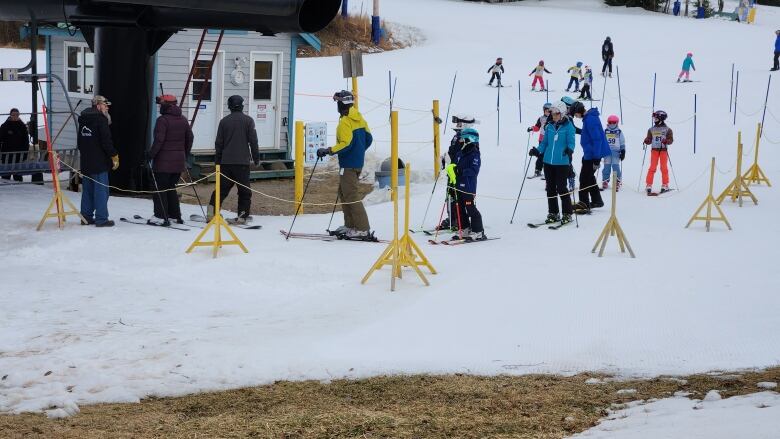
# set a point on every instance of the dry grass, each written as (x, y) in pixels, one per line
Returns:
(462, 406)
(353, 32)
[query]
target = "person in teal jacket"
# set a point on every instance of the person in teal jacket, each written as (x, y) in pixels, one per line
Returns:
(556, 149)
(686, 68)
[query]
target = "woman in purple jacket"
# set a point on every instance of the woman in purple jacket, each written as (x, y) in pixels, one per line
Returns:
(168, 155)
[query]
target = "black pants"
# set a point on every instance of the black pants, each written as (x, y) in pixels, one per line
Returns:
(469, 215)
(166, 204)
(451, 205)
(555, 182)
(585, 92)
(576, 81)
(589, 191)
(239, 173)
(495, 76)
(607, 63)
(539, 164)
(777, 61)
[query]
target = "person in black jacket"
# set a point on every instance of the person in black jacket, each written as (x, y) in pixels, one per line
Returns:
(235, 147)
(98, 156)
(13, 138)
(607, 53)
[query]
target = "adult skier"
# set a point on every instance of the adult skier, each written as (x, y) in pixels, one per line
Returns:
(617, 144)
(776, 66)
(459, 123)
(659, 137)
(607, 53)
(496, 71)
(594, 148)
(97, 156)
(463, 174)
(539, 126)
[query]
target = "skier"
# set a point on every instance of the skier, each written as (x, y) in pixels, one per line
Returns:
(353, 138)
(539, 126)
(607, 53)
(538, 73)
(463, 174)
(587, 80)
(776, 66)
(460, 122)
(575, 73)
(617, 144)
(556, 148)
(659, 137)
(497, 70)
(594, 148)
(235, 147)
(686, 68)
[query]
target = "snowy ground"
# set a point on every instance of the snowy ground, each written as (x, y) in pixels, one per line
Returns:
(116, 315)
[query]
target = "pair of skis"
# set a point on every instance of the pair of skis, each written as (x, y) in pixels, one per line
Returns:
(551, 226)
(329, 238)
(198, 219)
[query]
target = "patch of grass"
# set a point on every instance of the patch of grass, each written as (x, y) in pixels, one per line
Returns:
(420, 406)
(353, 32)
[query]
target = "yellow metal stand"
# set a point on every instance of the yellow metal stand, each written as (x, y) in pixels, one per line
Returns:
(403, 252)
(56, 207)
(355, 91)
(299, 161)
(754, 174)
(612, 228)
(708, 203)
(217, 223)
(436, 140)
(737, 188)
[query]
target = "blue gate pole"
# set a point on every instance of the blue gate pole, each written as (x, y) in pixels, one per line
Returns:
(498, 115)
(519, 102)
(694, 123)
(736, 95)
(731, 95)
(766, 100)
(620, 97)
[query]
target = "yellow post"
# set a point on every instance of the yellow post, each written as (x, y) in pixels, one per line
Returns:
(299, 161)
(217, 223)
(56, 207)
(402, 252)
(755, 175)
(708, 203)
(355, 91)
(612, 228)
(737, 188)
(436, 139)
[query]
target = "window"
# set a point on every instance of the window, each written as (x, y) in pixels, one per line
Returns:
(263, 80)
(201, 80)
(79, 69)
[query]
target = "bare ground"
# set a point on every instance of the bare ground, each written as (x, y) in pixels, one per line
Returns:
(421, 406)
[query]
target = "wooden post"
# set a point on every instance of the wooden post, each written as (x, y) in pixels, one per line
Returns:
(737, 188)
(612, 228)
(708, 203)
(754, 174)
(436, 139)
(299, 161)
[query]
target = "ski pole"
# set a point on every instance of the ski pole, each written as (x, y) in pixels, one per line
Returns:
(644, 156)
(452, 91)
(200, 203)
(672, 168)
(305, 188)
(159, 195)
(335, 203)
(441, 216)
(574, 197)
(511, 220)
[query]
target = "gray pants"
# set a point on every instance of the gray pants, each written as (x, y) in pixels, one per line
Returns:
(355, 216)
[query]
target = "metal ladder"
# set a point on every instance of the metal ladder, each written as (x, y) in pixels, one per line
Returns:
(207, 81)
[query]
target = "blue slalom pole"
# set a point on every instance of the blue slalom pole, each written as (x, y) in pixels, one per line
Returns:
(694, 123)
(452, 91)
(620, 97)
(731, 95)
(736, 95)
(766, 100)
(498, 114)
(519, 102)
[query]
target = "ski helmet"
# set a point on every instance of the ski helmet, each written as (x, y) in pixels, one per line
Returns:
(541, 62)
(577, 108)
(568, 100)
(690, 54)
(499, 60)
(546, 106)
(609, 39)
(344, 96)
(235, 103)
(579, 63)
(463, 121)
(469, 135)
(660, 115)
(613, 120)
(560, 108)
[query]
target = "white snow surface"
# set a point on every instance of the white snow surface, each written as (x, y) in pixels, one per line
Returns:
(120, 314)
(756, 416)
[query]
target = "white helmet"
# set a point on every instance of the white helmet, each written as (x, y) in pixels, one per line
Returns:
(462, 121)
(560, 107)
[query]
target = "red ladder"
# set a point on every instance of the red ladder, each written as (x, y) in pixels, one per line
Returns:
(209, 67)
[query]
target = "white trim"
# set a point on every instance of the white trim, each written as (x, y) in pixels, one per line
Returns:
(82, 45)
(218, 98)
(279, 80)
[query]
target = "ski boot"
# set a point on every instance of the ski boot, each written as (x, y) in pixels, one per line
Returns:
(477, 236)
(664, 189)
(566, 219)
(242, 219)
(445, 224)
(157, 221)
(649, 190)
(552, 218)
(618, 185)
(581, 208)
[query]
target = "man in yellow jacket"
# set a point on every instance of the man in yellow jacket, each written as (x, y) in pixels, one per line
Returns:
(353, 138)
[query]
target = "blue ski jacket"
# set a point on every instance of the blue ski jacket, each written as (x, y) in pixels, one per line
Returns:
(353, 138)
(688, 63)
(593, 140)
(777, 44)
(467, 164)
(558, 137)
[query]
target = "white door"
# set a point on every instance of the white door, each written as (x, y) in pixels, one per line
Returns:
(210, 108)
(265, 93)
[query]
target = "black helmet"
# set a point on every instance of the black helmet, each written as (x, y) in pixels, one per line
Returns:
(660, 115)
(344, 96)
(577, 107)
(235, 103)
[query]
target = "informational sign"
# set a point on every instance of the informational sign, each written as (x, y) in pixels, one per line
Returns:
(9, 74)
(316, 137)
(262, 112)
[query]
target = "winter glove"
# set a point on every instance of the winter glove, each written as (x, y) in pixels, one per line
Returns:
(664, 141)
(256, 161)
(530, 129)
(451, 173)
(322, 152)
(115, 161)
(533, 152)
(622, 154)
(443, 162)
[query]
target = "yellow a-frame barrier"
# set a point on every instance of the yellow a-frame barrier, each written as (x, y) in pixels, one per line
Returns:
(58, 202)
(737, 188)
(612, 228)
(403, 252)
(754, 174)
(708, 203)
(217, 223)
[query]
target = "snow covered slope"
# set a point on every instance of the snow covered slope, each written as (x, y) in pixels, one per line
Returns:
(116, 315)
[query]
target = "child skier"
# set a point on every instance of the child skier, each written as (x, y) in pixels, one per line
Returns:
(463, 174)
(686, 68)
(496, 69)
(587, 84)
(460, 122)
(539, 126)
(576, 74)
(617, 144)
(659, 137)
(538, 73)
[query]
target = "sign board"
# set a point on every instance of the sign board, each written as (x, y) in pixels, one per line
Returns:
(9, 74)
(316, 137)
(352, 63)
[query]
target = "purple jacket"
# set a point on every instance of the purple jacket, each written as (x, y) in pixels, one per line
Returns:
(172, 141)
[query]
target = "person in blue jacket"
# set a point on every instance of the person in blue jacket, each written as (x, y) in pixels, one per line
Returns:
(594, 148)
(777, 52)
(463, 174)
(556, 149)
